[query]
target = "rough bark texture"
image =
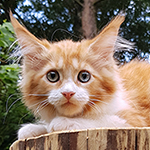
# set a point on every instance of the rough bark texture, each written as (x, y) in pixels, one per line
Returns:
(98, 139)
(89, 26)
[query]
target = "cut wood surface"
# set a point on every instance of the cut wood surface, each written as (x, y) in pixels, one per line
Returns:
(90, 139)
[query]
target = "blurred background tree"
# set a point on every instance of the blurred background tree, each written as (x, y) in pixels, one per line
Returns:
(62, 19)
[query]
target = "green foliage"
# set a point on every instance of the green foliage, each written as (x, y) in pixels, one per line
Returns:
(13, 112)
(8, 78)
(6, 39)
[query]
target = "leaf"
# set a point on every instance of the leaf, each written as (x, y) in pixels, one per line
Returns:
(9, 26)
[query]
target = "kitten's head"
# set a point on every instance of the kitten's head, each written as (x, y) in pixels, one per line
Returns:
(68, 78)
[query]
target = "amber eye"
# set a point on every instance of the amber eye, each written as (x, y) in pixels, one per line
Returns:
(53, 76)
(84, 76)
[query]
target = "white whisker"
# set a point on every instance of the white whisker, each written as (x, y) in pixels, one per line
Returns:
(95, 106)
(30, 107)
(95, 95)
(9, 99)
(41, 106)
(7, 110)
(100, 96)
(97, 100)
(38, 94)
(13, 104)
(23, 117)
(92, 106)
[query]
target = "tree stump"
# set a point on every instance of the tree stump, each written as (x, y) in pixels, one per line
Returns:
(90, 139)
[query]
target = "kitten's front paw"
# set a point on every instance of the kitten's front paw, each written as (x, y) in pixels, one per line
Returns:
(63, 123)
(31, 130)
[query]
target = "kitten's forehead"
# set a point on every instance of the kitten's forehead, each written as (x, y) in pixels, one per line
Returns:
(61, 63)
(75, 63)
(67, 57)
(67, 53)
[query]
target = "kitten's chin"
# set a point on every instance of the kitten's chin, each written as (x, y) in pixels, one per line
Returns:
(69, 110)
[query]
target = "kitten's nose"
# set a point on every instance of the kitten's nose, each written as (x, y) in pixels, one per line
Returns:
(68, 95)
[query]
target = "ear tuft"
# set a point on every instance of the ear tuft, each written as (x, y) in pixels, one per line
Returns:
(33, 50)
(113, 26)
(109, 33)
(21, 31)
(101, 48)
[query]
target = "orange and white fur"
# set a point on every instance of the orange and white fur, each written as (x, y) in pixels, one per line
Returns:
(77, 85)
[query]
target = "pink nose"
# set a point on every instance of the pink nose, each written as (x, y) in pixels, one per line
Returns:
(68, 95)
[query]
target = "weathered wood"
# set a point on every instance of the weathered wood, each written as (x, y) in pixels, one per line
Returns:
(91, 139)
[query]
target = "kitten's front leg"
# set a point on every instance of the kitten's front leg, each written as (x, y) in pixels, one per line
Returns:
(31, 130)
(64, 123)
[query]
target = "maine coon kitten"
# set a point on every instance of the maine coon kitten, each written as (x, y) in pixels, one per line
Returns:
(77, 85)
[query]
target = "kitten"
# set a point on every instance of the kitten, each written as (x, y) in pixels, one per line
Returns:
(77, 85)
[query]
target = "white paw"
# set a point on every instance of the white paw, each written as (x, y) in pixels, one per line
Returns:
(31, 130)
(63, 123)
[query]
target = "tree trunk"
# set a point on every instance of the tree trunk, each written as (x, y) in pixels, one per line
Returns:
(90, 139)
(89, 26)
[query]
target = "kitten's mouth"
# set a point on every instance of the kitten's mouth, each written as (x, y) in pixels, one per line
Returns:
(68, 103)
(69, 108)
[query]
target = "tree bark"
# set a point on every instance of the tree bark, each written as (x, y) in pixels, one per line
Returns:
(89, 139)
(89, 26)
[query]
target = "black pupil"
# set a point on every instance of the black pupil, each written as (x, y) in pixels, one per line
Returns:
(84, 76)
(53, 76)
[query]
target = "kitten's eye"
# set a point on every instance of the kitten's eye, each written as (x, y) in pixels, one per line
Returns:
(84, 76)
(53, 76)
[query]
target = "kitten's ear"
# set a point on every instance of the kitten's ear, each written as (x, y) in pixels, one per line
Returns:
(24, 37)
(31, 47)
(103, 44)
(112, 28)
